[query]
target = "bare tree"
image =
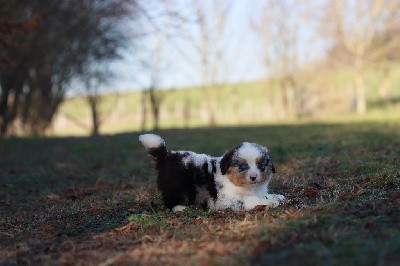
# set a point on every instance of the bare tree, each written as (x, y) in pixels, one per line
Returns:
(278, 26)
(198, 26)
(161, 23)
(354, 27)
(92, 81)
(153, 63)
(210, 21)
(156, 70)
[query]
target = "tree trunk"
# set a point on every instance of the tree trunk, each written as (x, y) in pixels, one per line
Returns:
(155, 107)
(287, 88)
(3, 110)
(290, 99)
(156, 117)
(208, 91)
(144, 111)
(211, 117)
(11, 86)
(360, 91)
(46, 100)
(360, 88)
(26, 106)
(93, 103)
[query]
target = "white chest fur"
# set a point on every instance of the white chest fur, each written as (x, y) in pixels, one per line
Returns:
(233, 197)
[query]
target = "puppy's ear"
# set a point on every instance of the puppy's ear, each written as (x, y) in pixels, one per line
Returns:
(271, 164)
(272, 167)
(226, 161)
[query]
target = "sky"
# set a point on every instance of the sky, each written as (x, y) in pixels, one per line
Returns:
(243, 60)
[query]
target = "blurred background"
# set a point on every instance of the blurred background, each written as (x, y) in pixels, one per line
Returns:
(89, 67)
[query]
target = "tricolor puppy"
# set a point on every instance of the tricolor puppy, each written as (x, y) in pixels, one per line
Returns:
(237, 180)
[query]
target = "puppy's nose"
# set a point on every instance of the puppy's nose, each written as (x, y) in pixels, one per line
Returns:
(253, 177)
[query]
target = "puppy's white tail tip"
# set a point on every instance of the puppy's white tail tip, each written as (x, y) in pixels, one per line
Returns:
(151, 141)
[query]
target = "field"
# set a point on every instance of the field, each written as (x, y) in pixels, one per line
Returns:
(328, 94)
(78, 200)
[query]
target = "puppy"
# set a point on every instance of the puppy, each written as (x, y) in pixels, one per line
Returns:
(237, 180)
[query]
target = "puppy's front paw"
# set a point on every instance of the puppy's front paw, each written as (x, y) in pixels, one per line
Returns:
(275, 199)
(178, 208)
(280, 197)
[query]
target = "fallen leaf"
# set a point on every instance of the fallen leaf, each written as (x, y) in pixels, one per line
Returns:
(50, 197)
(292, 213)
(175, 223)
(198, 221)
(310, 192)
(19, 218)
(259, 208)
(329, 184)
(379, 149)
(128, 186)
(48, 227)
(131, 226)
(147, 238)
(357, 189)
(67, 246)
(364, 179)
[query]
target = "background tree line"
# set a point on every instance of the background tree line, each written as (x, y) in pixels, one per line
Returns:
(51, 47)
(360, 36)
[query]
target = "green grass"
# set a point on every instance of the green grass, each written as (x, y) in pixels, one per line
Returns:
(75, 200)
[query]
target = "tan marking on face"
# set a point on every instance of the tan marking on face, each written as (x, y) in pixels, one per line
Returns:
(237, 178)
(258, 159)
(243, 161)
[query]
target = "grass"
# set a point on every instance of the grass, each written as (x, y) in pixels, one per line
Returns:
(94, 200)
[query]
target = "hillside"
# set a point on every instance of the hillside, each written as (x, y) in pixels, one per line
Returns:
(324, 96)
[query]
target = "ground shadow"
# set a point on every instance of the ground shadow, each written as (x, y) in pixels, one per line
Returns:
(56, 189)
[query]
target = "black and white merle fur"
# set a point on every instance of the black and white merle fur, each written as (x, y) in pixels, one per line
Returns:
(237, 180)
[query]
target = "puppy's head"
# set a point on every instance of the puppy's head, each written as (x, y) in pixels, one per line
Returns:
(248, 164)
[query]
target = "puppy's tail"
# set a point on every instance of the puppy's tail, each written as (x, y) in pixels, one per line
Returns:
(155, 144)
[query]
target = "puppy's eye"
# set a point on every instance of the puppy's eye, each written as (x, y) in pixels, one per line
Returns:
(242, 167)
(262, 164)
(261, 167)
